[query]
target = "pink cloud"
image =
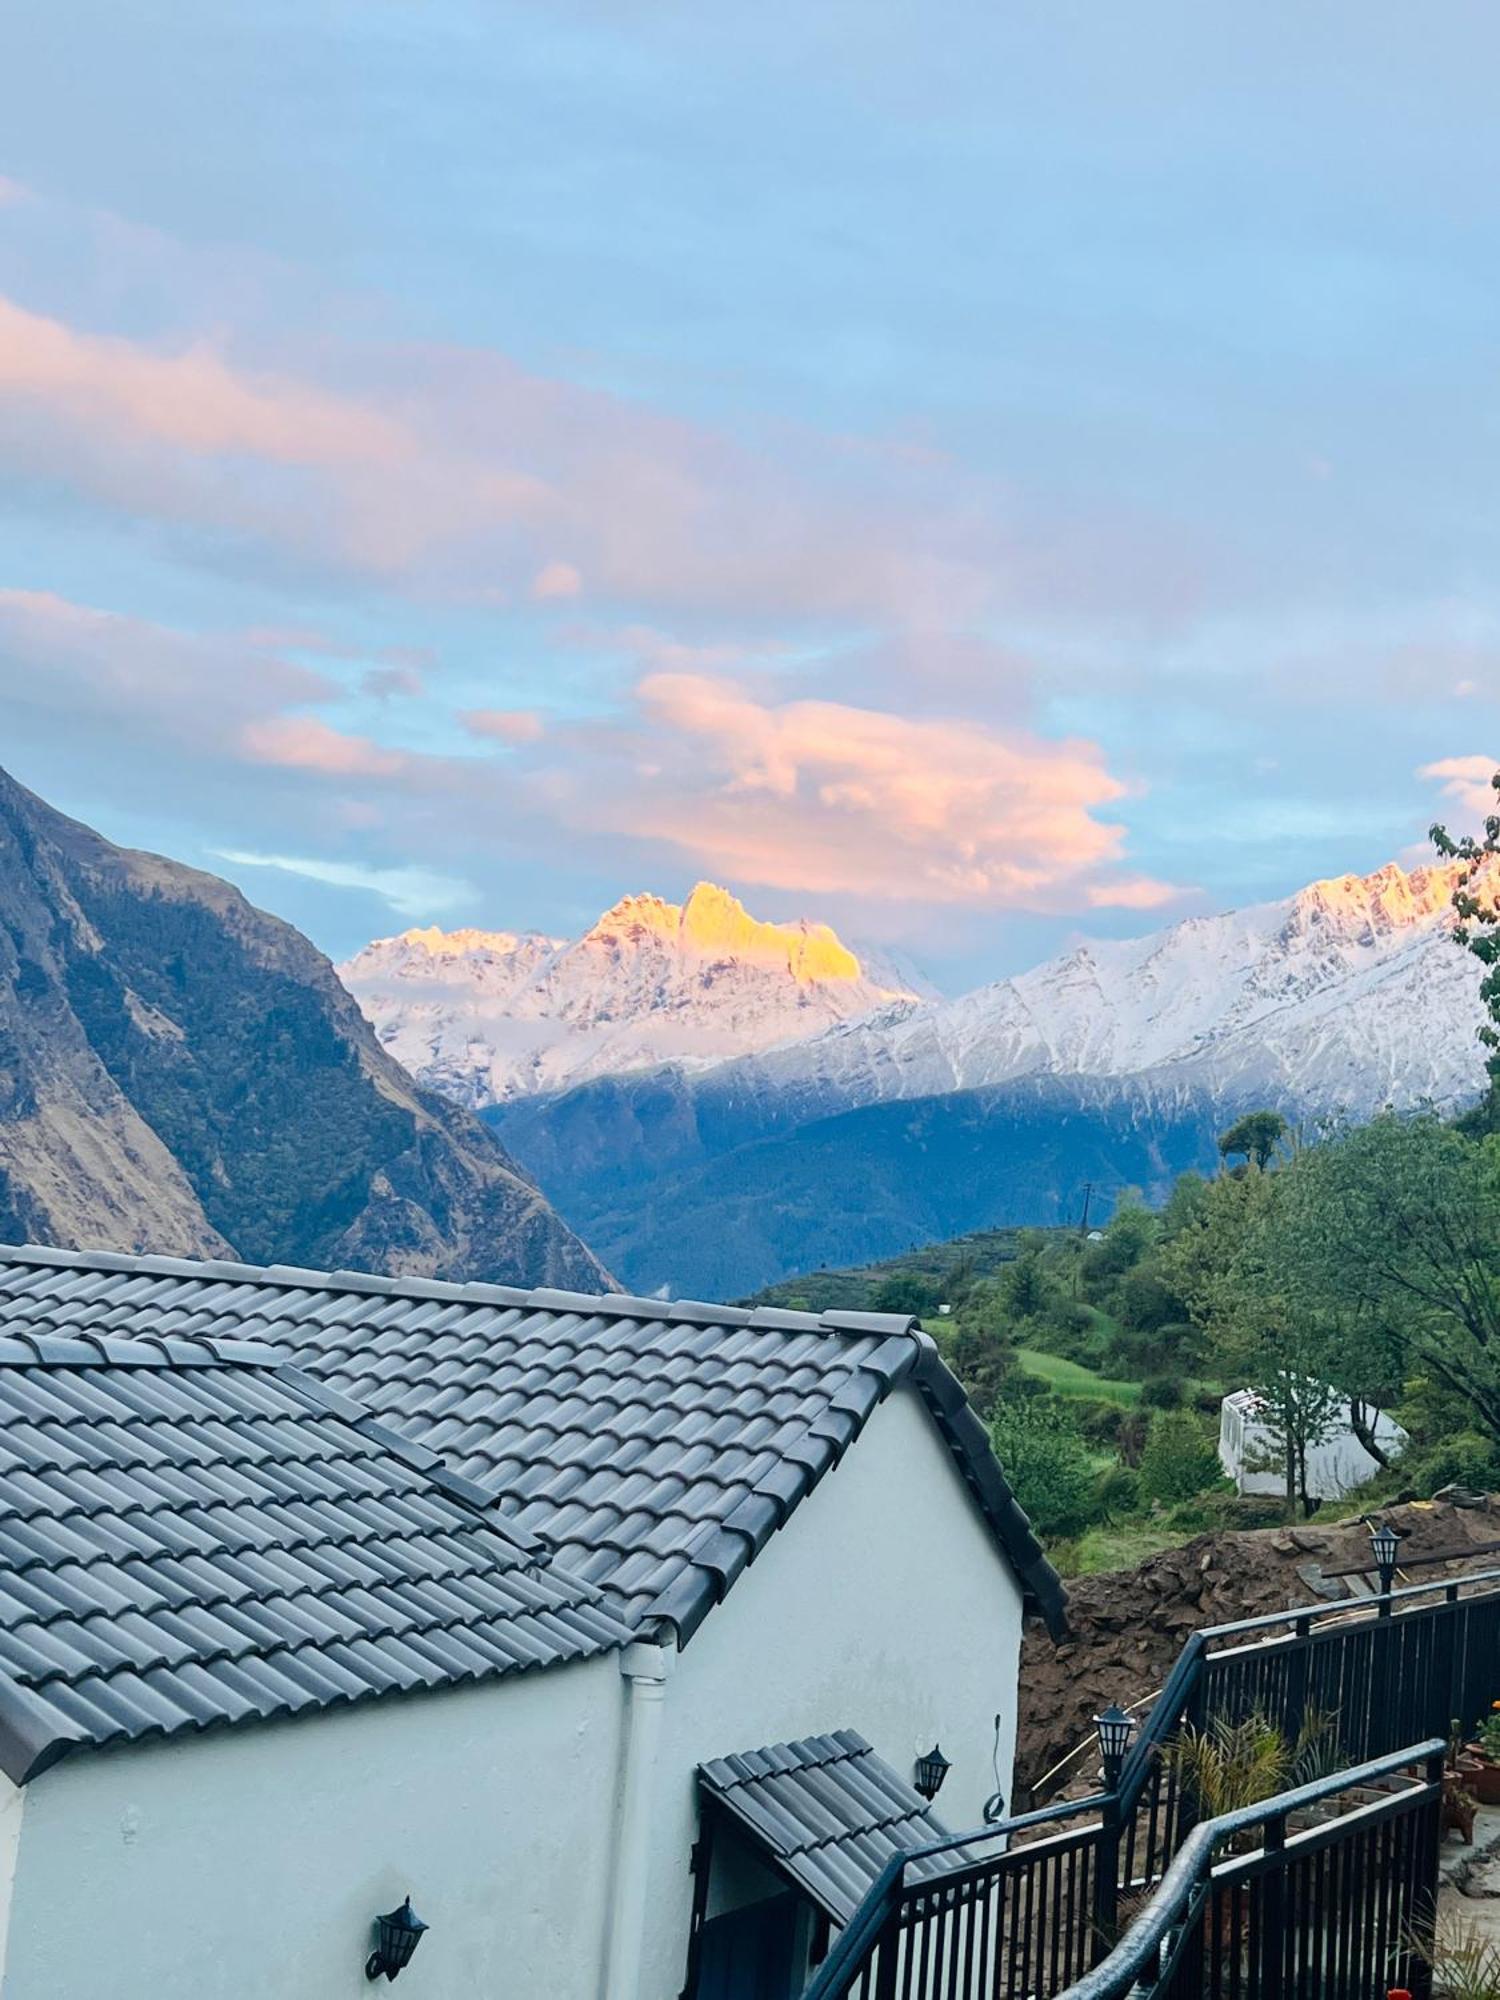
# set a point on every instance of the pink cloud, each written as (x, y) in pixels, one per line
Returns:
(193, 398)
(307, 743)
(1466, 780)
(454, 472)
(1134, 892)
(829, 798)
(503, 725)
(557, 580)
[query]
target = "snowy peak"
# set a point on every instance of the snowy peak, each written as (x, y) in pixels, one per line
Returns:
(1345, 997)
(488, 1015)
(713, 924)
(1367, 908)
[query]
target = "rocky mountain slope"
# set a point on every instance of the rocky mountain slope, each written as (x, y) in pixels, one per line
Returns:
(1115, 1064)
(181, 1073)
(486, 1016)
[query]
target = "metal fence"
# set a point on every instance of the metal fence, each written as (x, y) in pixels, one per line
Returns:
(1025, 1909)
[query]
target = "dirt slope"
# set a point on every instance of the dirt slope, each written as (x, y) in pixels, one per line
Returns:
(1128, 1626)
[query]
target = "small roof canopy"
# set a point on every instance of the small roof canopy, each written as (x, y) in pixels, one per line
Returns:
(825, 1813)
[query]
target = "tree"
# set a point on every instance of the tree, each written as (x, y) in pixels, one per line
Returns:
(1476, 900)
(1047, 1463)
(1179, 1459)
(905, 1292)
(1401, 1221)
(1255, 1137)
(1224, 1267)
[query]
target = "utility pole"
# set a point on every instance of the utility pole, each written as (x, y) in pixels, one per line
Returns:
(1088, 1195)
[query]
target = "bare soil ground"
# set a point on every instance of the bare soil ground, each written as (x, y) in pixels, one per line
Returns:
(1128, 1626)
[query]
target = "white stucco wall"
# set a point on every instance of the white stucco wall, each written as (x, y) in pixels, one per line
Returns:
(250, 1862)
(882, 1606)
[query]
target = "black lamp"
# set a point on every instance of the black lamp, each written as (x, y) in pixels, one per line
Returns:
(1383, 1545)
(931, 1771)
(1115, 1731)
(400, 1934)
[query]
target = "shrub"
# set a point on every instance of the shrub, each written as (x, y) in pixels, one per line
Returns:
(905, 1292)
(1179, 1459)
(1117, 1493)
(1466, 1459)
(1046, 1461)
(1162, 1392)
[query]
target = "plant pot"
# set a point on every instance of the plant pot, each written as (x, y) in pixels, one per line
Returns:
(1483, 1779)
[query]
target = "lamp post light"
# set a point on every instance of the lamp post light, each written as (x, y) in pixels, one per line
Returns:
(1383, 1545)
(931, 1771)
(399, 1934)
(1115, 1729)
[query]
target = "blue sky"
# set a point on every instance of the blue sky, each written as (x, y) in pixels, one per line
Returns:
(976, 474)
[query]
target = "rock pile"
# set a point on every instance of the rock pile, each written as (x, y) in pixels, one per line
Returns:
(1128, 1626)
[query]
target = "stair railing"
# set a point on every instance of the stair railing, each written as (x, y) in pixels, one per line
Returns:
(1048, 1885)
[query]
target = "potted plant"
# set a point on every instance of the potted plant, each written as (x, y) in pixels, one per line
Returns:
(1481, 1773)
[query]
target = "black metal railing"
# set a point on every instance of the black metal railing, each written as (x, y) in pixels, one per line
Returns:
(1317, 1901)
(1023, 1909)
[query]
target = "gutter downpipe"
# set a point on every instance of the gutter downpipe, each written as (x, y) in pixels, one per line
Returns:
(647, 1667)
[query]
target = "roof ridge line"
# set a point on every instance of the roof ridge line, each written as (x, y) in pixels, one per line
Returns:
(474, 1291)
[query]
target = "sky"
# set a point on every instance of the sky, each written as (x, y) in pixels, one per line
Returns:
(976, 474)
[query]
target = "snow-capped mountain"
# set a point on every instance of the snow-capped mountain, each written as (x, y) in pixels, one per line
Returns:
(1345, 997)
(486, 1016)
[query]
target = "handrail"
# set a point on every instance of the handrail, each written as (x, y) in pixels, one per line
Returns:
(863, 1930)
(1343, 1607)
(1137, 1949)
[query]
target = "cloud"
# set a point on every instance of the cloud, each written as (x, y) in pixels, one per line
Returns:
(1134, 892)
(453, 472)
(307, 743)
(829, 798)
(1468, 781)
(192, 398)
(100, 671)
(395, 682)
(556, 580)
(410, 892)
(503, 725)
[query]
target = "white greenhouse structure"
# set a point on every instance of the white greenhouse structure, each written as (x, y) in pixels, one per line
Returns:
(1250, 1452)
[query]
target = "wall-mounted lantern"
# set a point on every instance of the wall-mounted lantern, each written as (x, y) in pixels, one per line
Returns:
(1115, 1731)
(400, 1932)
(1384, 1542)
(931, 1771)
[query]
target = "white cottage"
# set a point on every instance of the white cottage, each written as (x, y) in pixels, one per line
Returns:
(606, 1631)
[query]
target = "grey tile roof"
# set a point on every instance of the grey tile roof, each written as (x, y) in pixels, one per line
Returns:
(827, 1812)
(654, 1448)
(193, 1533)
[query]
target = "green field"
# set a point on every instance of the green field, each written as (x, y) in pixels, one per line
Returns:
(1070, 1378)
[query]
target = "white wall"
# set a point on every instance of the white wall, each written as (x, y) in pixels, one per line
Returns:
(882, 1606)
(250, 1861)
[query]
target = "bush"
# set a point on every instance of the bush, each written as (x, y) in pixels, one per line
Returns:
(1046, 1461)
(981, 1358)
(1162, 1392)
(1465, 1460)
(905, 1292)
(1117, 1493)
(1179, 1459)
(1099, 1421)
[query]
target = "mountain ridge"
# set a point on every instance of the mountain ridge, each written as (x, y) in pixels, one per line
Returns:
(183, 1073)
(1116, 1063)
(491, 1015)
